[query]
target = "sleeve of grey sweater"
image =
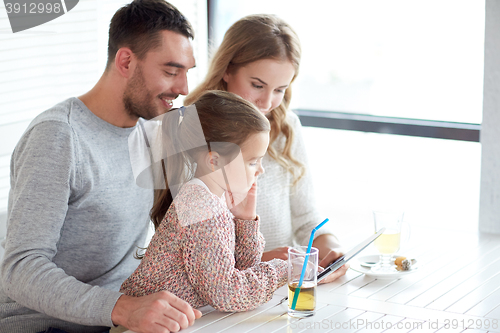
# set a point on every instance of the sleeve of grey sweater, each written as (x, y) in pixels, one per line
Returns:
(43, 169)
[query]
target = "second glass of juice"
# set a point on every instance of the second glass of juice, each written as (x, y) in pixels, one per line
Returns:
(389, 242)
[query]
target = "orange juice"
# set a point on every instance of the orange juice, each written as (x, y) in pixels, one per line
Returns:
(307, 297)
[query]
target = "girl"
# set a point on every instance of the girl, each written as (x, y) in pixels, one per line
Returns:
(258, 60)
(203, 251)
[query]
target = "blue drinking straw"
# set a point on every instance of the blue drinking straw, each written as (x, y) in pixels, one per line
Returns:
(304, 265)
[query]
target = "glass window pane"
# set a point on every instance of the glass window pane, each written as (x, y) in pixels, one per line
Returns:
(435, 182)
(410, 59)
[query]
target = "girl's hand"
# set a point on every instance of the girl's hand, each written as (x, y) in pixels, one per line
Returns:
(279, 253)
(243, 208)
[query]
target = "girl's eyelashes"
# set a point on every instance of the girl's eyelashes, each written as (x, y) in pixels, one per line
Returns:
(254, 163)
(256, 86)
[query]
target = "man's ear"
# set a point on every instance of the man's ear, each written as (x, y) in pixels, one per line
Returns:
(125, 62)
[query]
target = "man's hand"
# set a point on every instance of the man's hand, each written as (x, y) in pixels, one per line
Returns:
(162, 312)
(279, 253)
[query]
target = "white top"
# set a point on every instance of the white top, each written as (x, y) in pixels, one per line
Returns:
(288, 214)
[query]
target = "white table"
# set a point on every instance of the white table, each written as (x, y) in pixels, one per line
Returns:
(456, 289)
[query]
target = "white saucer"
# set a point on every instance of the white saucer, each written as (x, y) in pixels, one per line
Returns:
(355, 265)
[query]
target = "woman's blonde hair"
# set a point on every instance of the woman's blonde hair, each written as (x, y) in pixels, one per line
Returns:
(253, 38)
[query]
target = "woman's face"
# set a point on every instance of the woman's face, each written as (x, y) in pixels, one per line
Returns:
(262, 82)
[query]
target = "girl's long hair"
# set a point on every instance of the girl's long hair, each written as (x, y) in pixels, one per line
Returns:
(224, 118)
(253, 38)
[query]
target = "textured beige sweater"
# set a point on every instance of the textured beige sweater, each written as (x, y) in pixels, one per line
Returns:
(206, 256)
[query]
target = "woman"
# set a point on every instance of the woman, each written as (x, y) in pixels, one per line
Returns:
(258, 60)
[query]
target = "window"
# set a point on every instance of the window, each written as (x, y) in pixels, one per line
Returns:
(386, 66)
(405, 59)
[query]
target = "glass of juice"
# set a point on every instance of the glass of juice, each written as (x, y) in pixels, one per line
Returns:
(389, 242)
(305, 294)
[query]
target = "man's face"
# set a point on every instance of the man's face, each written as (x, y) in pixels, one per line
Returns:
(160, 77)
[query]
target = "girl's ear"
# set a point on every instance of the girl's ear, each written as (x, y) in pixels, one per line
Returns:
(212, 160)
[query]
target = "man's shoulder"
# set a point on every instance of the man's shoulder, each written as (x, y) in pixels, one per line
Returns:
(52, 125)
(57, 113)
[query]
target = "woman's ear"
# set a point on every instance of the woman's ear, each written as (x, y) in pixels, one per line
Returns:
(226, 75)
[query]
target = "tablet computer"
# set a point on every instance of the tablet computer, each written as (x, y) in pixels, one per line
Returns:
(349, 255)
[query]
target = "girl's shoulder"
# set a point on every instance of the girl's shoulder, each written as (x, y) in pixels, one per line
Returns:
(195, 203)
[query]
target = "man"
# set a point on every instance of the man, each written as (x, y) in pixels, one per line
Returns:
(76, 216)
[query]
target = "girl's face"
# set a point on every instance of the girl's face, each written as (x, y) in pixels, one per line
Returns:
(262, 82)
(243, 171)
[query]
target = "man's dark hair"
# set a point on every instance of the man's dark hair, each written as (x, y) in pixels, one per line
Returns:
(138, 26)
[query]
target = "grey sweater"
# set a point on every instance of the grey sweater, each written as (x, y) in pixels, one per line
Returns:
(75, 219)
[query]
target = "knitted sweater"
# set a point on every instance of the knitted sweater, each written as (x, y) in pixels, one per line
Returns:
(204, 255)
(288, 214)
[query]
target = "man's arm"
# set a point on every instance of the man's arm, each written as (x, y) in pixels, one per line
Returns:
(42, 172)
